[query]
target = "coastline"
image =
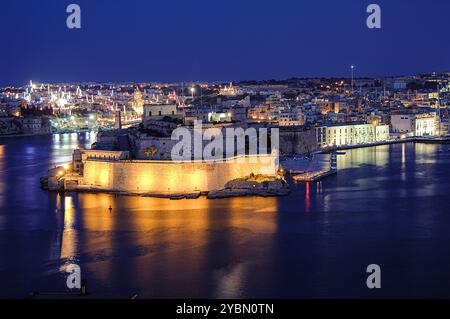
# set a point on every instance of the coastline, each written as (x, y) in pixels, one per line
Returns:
(178, 196)
(25, 135)
(43, 134)
(230, 190)
(389, 142)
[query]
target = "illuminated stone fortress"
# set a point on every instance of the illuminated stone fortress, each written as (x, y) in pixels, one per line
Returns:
(114, 171)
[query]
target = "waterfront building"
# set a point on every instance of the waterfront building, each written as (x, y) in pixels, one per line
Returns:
(348, 134)
(98, 170)
(412, 124)
(36, 125)
(444, 127)
(80, 156)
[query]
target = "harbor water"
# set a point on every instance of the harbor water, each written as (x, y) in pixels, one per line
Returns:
(387, 205)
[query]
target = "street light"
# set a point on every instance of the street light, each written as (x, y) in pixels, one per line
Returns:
(192, 91)
(352, 68)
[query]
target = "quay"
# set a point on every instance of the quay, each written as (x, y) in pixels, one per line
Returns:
(431, 140)
(312, 169)
(312, 176)
(436, 140)
(305, 169)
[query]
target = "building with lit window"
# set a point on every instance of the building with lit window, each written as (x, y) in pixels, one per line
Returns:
(290, 118)
(347, 134)
(412, 124)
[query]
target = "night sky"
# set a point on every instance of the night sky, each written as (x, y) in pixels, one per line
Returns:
(209, 40)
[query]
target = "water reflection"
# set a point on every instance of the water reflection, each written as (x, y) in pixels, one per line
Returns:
(386, 203)
(378, 155)
(147, 240)
(64, 144)
(230, 283)
(69, 235)
(307, 199)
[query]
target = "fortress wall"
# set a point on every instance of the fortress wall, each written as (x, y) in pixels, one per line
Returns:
(163, 177)
(297, 141)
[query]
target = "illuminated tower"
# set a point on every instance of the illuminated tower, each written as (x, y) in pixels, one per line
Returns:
(138, 103)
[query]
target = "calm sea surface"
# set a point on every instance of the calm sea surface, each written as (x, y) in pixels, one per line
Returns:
(388, 205)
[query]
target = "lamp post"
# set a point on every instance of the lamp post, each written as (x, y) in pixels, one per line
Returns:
(352, 67)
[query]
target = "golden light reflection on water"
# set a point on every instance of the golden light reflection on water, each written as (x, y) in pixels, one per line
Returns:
(378, 155)
(69, 240)
(151, 240)
(98, 224)
(403, 162)
(147, 239)
(425, 153)
(403, 154)
(146, 213)
(381, 155)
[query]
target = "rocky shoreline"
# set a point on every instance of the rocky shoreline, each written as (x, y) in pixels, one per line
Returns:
(264, 186)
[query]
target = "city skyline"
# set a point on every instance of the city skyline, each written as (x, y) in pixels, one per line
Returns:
(215, 153)
(194, 82)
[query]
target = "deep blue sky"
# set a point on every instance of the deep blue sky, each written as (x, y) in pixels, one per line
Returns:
(182, 40)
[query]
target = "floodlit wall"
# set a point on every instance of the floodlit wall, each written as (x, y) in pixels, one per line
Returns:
(166, 177)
